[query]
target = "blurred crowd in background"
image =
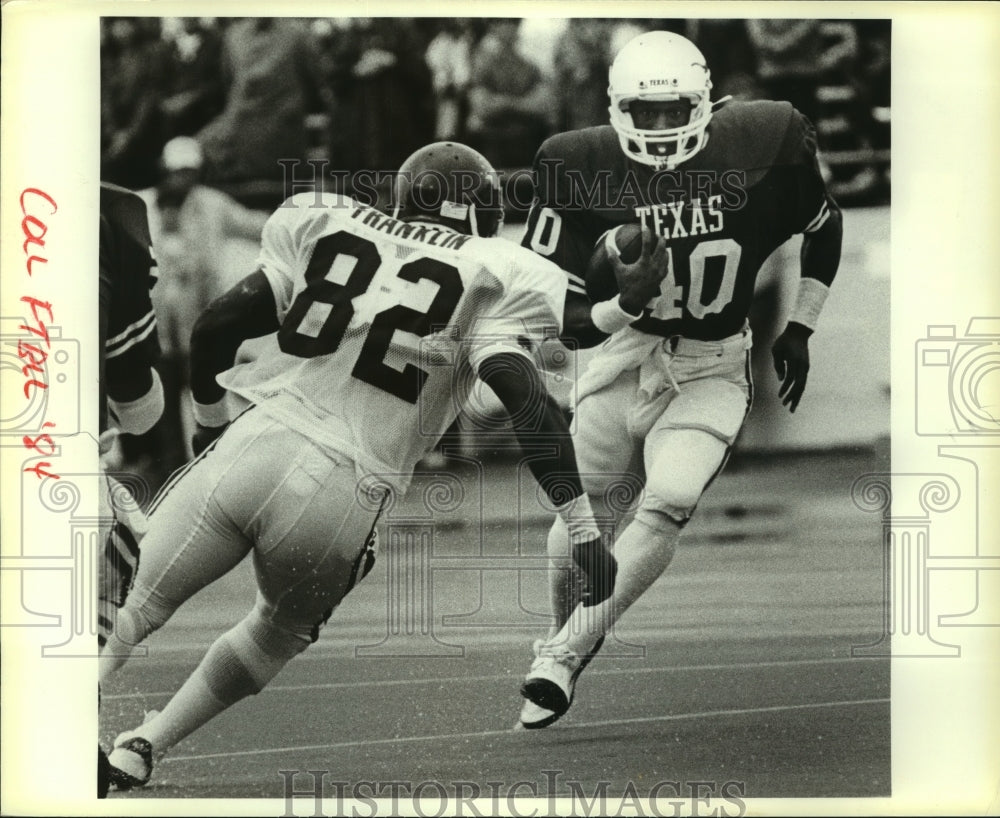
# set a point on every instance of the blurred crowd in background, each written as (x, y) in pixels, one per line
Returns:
(197, 112)
(366, 92)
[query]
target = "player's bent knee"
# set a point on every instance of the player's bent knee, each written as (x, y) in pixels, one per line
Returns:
(130, 627)
(244, 660)
(663, 518)
(657, 519)
(143, 613)
(278, 640)
(676, 499)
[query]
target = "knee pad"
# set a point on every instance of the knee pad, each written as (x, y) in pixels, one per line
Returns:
(660, 524)
(675, 501)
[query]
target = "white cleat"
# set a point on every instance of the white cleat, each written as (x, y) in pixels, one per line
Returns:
(550, 685)
(551, 680)
(534, 717)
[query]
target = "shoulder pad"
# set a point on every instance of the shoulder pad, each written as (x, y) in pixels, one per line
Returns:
(587, 148)
(310, 200)
(120, 199)
(747, 135)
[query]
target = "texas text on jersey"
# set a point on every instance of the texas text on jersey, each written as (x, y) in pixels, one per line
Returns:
(384, 323)
(722, 213)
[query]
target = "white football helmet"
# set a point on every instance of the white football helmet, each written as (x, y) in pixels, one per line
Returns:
(660, 66)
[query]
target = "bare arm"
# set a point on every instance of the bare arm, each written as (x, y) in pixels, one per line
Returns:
(538, 421)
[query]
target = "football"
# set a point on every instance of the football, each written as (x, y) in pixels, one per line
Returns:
(626, 239)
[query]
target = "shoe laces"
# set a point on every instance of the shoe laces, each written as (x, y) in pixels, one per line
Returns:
(559, 654)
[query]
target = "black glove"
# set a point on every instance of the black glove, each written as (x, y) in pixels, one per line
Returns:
(205, 436)
(791, 361)
(600, 568)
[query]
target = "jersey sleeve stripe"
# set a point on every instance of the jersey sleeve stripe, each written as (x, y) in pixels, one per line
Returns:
(131, 329)
(122, 343)
(576, 284)
(819, 220)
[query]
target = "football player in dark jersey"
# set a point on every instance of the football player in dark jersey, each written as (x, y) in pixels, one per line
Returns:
(715, 188)
(130, 387)
(131, 395)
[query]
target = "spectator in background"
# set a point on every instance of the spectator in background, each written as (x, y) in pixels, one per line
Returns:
(874, 76)
(581, 63)
(727, 48)
(449, 57)
(789, 54)
(273, 79)
(510, 102)
(384, 95)
(846, 118)
(204, 241)
(193, 93)
(131, 125)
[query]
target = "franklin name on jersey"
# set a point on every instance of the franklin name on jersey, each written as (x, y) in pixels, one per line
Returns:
(384, 324)
(722, 213)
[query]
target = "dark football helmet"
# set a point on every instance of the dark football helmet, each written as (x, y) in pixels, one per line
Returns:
(450, 184)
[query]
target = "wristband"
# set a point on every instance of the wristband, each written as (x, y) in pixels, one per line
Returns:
(609, 317)
(579, 519)
(140, 415)
(211, 414)
(809, 302)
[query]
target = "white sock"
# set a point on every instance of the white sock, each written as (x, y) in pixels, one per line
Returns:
(644, 552)
(193, 706)
(240, 663)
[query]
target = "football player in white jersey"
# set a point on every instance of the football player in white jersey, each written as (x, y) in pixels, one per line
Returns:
(379, 326)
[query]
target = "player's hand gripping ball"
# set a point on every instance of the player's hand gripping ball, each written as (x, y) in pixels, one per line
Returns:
(629, 261)
(626, 242)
